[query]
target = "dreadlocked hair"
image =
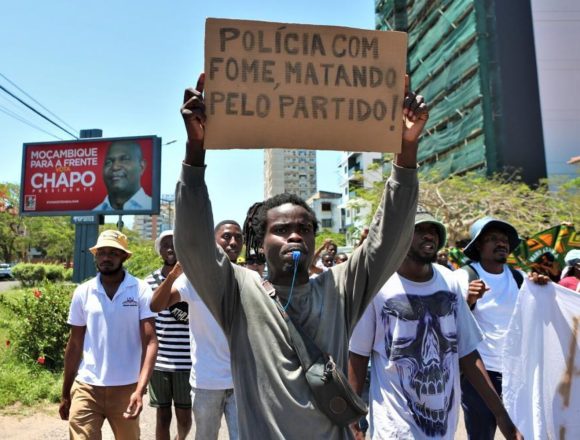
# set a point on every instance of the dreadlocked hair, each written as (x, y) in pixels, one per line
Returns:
(256, 218)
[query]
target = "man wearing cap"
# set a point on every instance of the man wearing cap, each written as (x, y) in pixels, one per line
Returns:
(111, 349)
(212, 387)
(490, 288)
(169, 384)
(420, 334)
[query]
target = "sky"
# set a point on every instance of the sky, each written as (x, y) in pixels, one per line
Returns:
(122, 66)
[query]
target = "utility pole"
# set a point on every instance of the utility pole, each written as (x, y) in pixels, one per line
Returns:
(86, 232)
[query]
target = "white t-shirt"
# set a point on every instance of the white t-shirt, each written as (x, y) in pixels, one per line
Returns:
(112, 344)
(210, 354)
(492, 311)
(416, 333)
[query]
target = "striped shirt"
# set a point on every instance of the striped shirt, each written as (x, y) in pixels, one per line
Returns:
(172, 328)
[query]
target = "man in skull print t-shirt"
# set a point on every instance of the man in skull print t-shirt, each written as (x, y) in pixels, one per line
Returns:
(416, 333)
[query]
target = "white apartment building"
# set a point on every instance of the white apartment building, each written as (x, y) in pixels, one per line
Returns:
(150, 226)
(326, 206)
(291, 171)
(356, 174)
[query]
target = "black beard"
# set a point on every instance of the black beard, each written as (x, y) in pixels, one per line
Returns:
(111, 271)
(502, 260)
(418, 258)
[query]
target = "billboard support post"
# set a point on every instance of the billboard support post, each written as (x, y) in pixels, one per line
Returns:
(86, 234)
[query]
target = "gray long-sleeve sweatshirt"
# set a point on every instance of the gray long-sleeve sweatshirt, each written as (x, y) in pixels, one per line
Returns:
(273, 397)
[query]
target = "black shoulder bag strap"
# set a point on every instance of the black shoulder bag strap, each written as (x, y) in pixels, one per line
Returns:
(472, 275)
(306, 350)
(517, 276)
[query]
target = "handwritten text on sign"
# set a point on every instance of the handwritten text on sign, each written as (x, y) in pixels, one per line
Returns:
(300, 86)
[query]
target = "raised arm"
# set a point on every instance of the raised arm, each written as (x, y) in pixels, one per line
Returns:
(165, 295)
(204, 263)
(391, 230)
(193, 113)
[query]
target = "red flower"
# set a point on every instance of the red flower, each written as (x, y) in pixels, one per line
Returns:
(40, 360)
(37, 293)
(7, 342)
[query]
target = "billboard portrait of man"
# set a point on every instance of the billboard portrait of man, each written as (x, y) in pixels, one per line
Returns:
(122, 170)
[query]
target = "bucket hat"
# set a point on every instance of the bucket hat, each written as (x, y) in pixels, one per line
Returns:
(424, 216)
(483, 224)
(164, 234)
(111, 238)
(572, 257)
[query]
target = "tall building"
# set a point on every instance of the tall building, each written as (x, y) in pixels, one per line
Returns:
(358, 172)
(291, 171)
(557, 37)
(326, 206)
(474, 61)
(143, 225)
(150, 226)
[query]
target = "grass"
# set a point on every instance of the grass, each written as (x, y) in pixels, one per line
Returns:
(23, 383)
(5, 314)
(26, 383)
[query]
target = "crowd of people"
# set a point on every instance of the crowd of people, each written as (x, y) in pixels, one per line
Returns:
(215, 334)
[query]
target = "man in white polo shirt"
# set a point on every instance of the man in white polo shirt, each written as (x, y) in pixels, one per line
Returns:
(105, 369)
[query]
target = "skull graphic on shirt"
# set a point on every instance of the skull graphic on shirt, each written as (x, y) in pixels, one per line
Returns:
(421, 340)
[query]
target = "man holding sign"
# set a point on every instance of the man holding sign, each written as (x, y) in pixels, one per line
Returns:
(275, 400)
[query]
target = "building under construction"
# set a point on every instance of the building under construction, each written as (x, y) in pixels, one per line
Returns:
(475, 63)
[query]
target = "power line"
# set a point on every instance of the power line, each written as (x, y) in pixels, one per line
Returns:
(36, 111)
(24, 121)
(28, 95)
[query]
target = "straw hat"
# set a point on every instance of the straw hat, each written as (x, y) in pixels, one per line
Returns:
(111, 238)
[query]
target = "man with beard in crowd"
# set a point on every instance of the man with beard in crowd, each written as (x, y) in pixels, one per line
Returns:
(111, 349)
(421, 335)
(491, 289)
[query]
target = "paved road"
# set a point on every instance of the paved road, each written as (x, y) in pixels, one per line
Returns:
(45, 425)
(6, 285)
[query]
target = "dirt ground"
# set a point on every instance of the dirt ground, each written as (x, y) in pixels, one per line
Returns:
(43, 423)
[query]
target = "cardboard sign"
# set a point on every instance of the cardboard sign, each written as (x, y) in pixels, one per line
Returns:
(89, 176)
(276, 85)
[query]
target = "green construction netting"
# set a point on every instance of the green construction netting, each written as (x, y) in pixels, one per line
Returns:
(427, 72)
(435, 26)
(452, 104)
(469, 156)
(448, 48)
(444, 64)
(453, 134)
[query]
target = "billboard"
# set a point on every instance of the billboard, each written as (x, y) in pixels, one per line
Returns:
(91, 176)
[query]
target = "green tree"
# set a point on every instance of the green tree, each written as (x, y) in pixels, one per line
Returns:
(323, 234)
(11, 224)
(53, 236)
(458, 201)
